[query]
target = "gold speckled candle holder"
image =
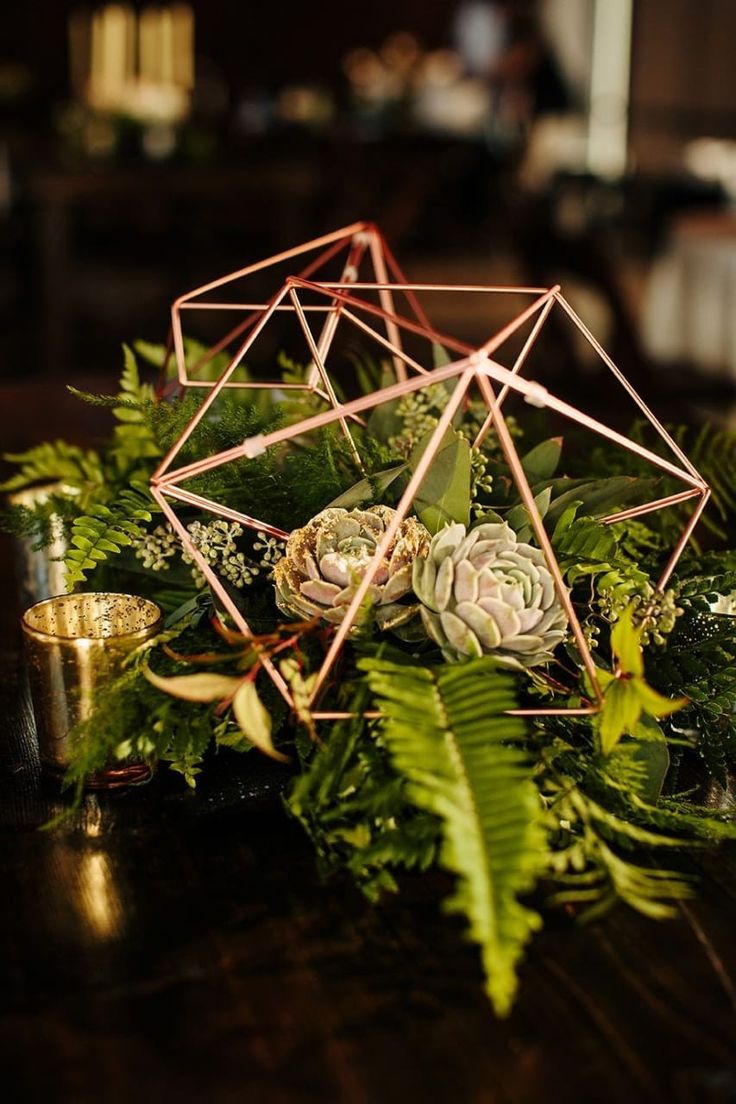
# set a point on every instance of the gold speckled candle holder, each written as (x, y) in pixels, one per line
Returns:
(75, 643)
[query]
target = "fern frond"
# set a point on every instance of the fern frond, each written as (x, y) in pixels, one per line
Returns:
(105, 531)
(714, 455)
(133, 437)
(700, 663)
(587, 549)
(448, 735)
(53, 461)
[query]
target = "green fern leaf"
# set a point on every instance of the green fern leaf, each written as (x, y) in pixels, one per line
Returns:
(105, 531)
(447, 733)
(52, 461)
(133, 437)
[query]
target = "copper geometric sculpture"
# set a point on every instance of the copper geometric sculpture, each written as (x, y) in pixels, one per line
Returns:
(342, 303)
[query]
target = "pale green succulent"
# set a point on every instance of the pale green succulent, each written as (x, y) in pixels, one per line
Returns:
(326, 560)
(483, 592)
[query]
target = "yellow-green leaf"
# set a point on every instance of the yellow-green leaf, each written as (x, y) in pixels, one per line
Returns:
(255, 720)
(626, 644)
(202, 687)
(620, 713)
(605, 678)
(655, 704)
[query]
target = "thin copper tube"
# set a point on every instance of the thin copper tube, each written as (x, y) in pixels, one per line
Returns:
(490, 289)
(650, 507)
(559, 711)
(349, 273)
(219, 590)
(634, 395)
(400, 278)
(530, 390)
(402, 509)
(221, 383)
(307, 307)
(516, 368)
(358, 237)
(336, 715)
(191, 499)
(684, 538)
(253, 446)
(371, 308)
(493, 343)
(246, 385)
(317, 357)
(405, 358)
(540, 396)
(386, 300)
(345, 234)
(245, 325)
(527, 497)
(485, 367)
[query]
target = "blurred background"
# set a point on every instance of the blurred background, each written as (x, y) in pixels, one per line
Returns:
(146, 149)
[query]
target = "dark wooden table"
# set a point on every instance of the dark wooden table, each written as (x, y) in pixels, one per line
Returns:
(169, 946)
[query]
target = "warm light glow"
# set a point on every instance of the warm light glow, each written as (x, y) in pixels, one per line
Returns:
(135, 64)
(609, 87)
(99, 901)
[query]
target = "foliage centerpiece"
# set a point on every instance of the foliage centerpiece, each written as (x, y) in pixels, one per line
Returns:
(470, 638)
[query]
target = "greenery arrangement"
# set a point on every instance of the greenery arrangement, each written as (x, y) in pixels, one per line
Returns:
(461, 625)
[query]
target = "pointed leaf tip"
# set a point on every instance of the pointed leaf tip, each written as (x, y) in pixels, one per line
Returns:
(255, 720)
(201, 687)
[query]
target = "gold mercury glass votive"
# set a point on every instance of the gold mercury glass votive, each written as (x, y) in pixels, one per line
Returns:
(74, 644)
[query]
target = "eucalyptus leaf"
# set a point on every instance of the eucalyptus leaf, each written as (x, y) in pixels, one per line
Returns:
(599, 496)
(440, 355)
(202, 687)
(254, 720)
(384, 422)
(518, 517)
(444, 493)
(369, 489)
(650, 749)
(542, 461)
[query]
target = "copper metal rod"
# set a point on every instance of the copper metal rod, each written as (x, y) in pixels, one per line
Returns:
(349, 273)
(527, 497)
(405, 503)
(628, 388)
(684, 538)
(326, 379)
(243, 326)
(650, 507)
(208, 401)
(212, 507)
(386, 300)
(219, 590)
(346, 233)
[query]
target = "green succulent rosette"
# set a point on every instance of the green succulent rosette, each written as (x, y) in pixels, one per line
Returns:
(484, 592)
(326, 560)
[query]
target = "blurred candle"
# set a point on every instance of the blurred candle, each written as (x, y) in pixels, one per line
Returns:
(166, 45)
(114, 39)
(183, 30)
(96, 76)
(148, 46)
(130, 69)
